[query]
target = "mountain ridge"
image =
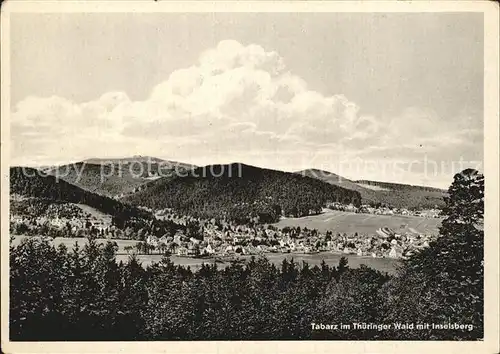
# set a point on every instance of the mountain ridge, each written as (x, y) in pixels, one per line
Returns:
(133, 174)
(397, 195)
(30, 182)
(241, 191)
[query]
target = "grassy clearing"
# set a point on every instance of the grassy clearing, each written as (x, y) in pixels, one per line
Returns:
(69, 242)
(381, 264)
(340, 222)
(332, 259)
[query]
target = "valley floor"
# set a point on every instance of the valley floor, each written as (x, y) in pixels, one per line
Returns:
(341, 221)
(331, 258)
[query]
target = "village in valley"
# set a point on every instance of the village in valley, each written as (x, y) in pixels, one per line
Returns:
(228, 239)
(200, 238)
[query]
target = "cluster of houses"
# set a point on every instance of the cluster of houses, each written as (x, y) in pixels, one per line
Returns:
(426, 213)
(366, 209)
(79, 220)
(227, 239)
(224, 238)
(60, 220)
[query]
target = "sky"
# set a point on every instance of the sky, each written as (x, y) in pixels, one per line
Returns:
(391, 97)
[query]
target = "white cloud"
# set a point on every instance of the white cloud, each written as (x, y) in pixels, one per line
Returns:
(236, 101)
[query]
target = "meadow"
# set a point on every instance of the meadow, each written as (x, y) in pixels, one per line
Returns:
(332, 259)
(69, 242)
(341, 221)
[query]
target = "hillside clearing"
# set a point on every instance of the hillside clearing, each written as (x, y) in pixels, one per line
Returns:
(373, 188)
(97, 216)
(340, 222)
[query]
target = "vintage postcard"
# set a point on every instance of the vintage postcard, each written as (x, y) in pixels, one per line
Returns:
(299, 177)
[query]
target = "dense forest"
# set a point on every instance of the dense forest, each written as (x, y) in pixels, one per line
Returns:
(84, 294)
(393, 195)
(30, 182)
(235, 192)
(46, 194)
(37, 207)
(239, 191)
(405, 195)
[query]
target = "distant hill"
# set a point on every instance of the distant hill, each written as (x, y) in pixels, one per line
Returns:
(398, 186)
(240, 191)
(334, 179)
(138, 159)
(117, 177)
(391, 194)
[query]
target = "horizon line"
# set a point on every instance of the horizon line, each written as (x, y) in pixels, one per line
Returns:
(295, 171)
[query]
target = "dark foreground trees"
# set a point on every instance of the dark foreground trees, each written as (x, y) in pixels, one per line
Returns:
(84, 294)
(444, 283)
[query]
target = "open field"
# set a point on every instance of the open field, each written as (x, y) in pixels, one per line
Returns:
(99, 217)
(381, 264)
(341, 221)
(332, 259)
(70, 242)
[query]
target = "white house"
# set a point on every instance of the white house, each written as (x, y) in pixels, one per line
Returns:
(209, 249)
(395, 252)
(152, 241)
(194, 240)
(163, 240)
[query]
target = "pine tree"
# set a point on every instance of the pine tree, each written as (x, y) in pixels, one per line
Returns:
(342, 267)
(447, 277)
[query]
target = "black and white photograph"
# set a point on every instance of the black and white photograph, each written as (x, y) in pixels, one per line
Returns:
(299, 176)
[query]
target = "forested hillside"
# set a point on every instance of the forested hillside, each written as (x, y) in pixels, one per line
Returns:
(383, 193)
(30, 182)
(399, 186)
(45, 195)
(240, 192)
(117, 177)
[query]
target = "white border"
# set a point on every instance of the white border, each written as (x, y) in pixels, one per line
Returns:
(491, 154)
